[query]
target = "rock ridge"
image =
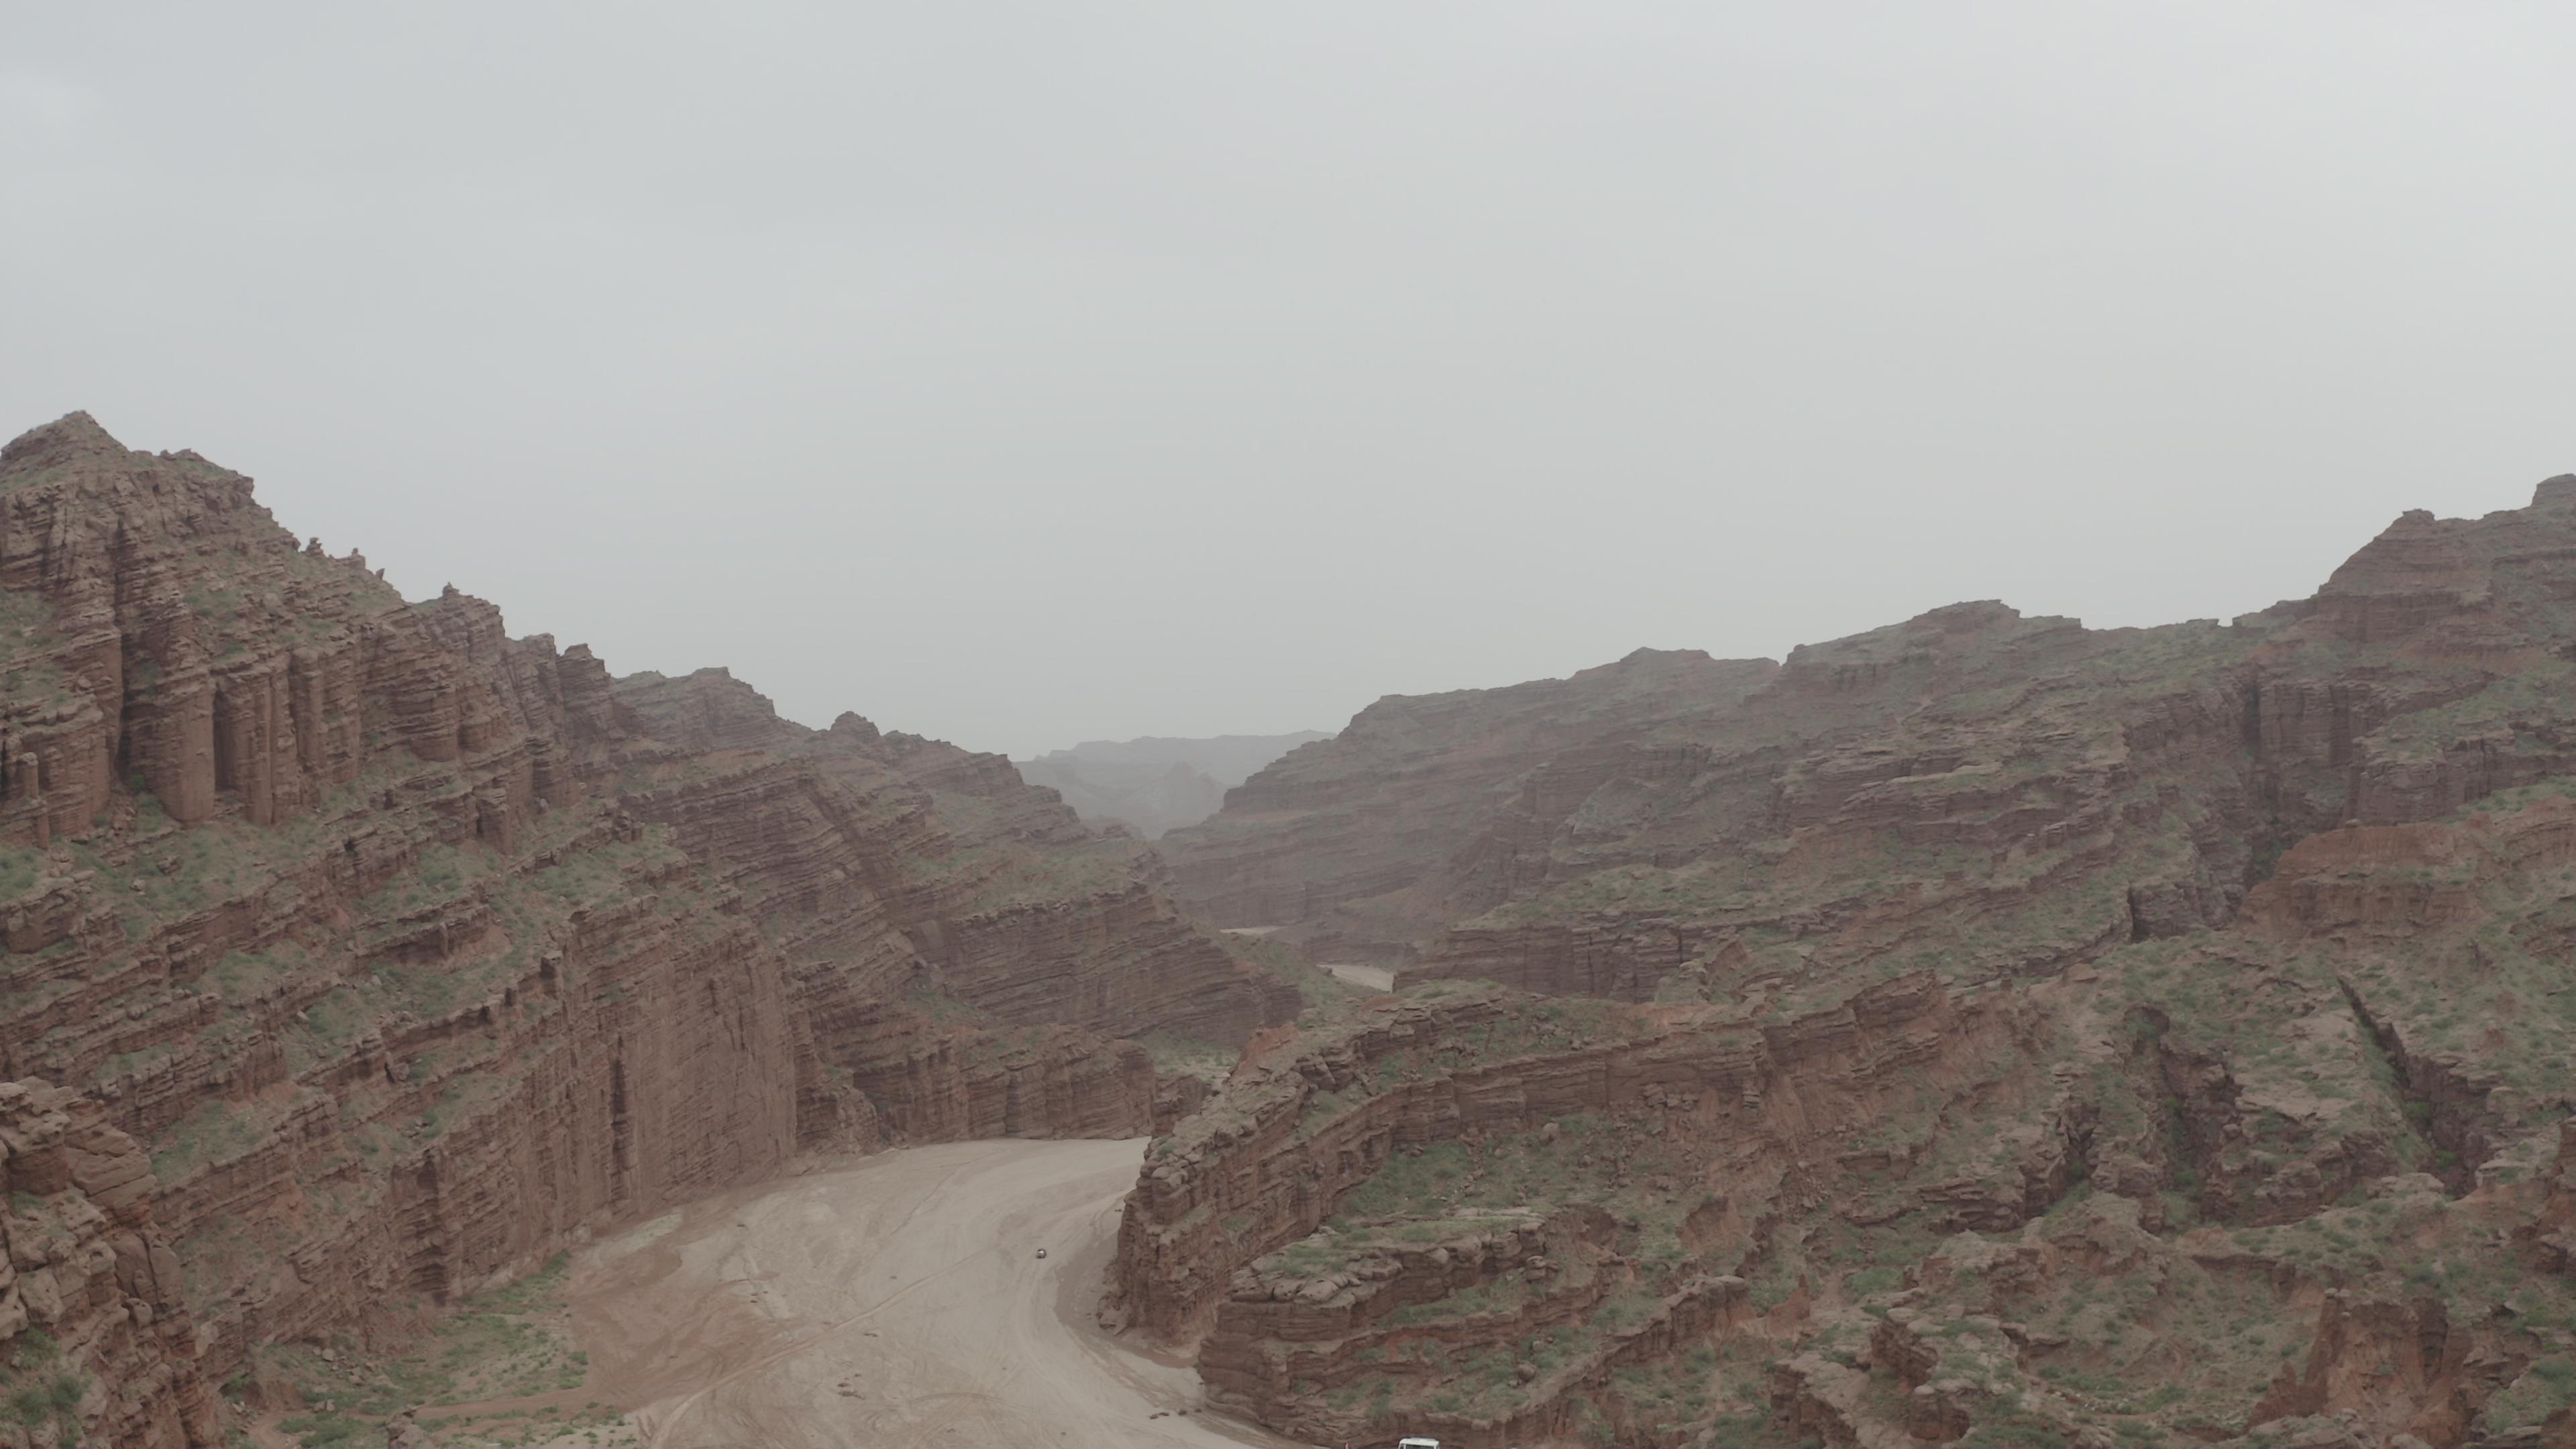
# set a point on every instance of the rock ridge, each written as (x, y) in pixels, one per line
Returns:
(404, 953)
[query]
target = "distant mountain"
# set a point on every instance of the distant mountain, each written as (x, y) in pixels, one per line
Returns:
(1155, 784)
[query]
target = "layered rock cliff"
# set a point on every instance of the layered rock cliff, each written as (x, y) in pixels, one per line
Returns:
(1374, 1231)
(2024, 788)
(1350, 833)
(409, 952)
(2231, 1101)
(93, 1302)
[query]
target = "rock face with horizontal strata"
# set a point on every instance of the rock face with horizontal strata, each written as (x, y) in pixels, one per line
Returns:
(1274, 1155)
(411, 952)
(2275, 1148)
(1376, 811)
(83, 1263)
(2022, 787)
(1258, 1149)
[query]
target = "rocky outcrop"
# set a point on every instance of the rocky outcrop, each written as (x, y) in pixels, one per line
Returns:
(706, 711)
(1035, 1082)
(1011, 907)
(1270, 1157)
(2384, 1368)
(1283, 1350)
(1622, 958)
(93, 1303)
(1327, 1322)
(1970, 775)
(409, 952)
(1123, 963)
(2246, 1122)
(1412, 780)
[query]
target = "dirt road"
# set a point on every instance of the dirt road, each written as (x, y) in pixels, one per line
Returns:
(895, 1304)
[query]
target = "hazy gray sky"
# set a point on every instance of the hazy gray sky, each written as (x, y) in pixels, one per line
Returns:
(1029, 372)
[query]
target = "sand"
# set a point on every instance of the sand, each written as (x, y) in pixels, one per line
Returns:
(1376, 978)
(897, 1303)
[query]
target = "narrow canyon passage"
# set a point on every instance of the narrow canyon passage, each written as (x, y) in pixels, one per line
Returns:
(898, 1303)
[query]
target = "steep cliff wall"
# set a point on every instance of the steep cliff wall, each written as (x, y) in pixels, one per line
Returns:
(1269, 1158)
(2242, 1116)
(93, 1303)
(2022, 792)
(1363, 1227)
(2308, 1171)
(897, 865)
(410, 952)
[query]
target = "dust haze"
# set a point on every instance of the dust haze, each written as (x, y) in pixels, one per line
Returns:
(1024, 374)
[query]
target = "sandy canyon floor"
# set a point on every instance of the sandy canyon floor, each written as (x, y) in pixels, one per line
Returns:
(898, 1303)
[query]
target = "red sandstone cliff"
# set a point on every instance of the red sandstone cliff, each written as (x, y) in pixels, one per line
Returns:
(1764, 1115)
(2025, 788)
(93, 1302)
(2274, 1151)
(1368, 814)
(410, 951)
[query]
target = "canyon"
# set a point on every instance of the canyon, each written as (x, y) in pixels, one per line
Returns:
(1988, 1030)
(916, 1311)
(1155, 785)
(1983, 1030)
(384, 955)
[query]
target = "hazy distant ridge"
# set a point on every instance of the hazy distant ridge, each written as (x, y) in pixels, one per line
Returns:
(1156, 784)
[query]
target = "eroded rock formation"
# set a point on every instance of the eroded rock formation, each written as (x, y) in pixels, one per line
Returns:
(411, 952)
(93, 1302)
(1369, 815)
(2228, 1101)
(1969, 780)
(1663, 1144)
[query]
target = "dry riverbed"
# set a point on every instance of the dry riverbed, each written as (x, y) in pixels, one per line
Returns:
(1375, 978)
(897, 1303)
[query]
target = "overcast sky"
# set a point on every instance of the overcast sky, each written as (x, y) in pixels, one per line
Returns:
(1023, 373)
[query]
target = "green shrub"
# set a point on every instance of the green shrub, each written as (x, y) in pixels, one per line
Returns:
(328, 1431)
(1870, 1281)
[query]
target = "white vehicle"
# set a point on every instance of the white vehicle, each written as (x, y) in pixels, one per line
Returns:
(1417, 1444)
